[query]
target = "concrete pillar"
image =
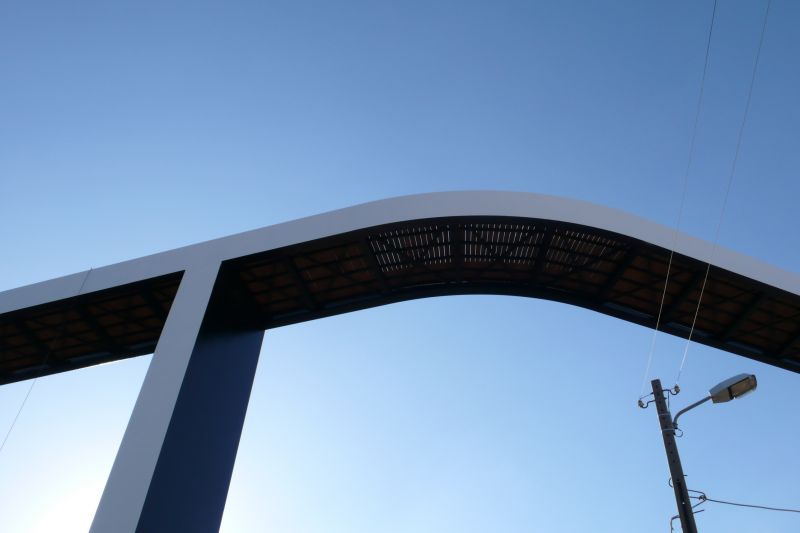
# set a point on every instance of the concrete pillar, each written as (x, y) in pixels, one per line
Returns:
(174, 465)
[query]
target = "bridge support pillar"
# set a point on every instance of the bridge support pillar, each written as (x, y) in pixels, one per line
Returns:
(174, 465)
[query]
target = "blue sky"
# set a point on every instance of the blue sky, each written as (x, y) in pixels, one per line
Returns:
(131, 128)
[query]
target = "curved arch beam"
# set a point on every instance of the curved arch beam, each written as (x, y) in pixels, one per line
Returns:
(202, 310)
(410, 247)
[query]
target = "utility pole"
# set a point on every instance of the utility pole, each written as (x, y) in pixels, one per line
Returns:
(685, 512)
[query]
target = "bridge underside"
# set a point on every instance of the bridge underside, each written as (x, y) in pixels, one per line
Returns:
(584, 266)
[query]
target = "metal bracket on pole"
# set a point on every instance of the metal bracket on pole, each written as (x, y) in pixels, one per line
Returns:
(685, 512)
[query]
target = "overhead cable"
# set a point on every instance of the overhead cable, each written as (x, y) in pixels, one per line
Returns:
(702, 498)
(46, 358)
(728, 187)
(683, 198)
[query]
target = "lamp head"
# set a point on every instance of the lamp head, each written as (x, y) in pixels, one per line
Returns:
(734, 387)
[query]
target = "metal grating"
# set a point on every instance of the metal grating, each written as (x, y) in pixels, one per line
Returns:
(598, 270)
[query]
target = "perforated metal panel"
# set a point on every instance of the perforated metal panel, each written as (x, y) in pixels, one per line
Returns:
(591, 268)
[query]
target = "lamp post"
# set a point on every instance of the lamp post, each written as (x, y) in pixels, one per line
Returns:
(725, 391)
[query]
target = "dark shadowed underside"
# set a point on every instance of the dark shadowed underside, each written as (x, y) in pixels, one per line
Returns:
(584, 266)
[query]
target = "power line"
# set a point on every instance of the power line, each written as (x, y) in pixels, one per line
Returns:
(702, 498)
(683, 196)
(728, 187)
(707, 499)
(44, 364)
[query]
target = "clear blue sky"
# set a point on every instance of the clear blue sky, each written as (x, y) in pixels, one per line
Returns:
(128, 128)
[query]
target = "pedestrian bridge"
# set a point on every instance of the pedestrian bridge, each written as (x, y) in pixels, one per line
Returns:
(203, 308)
(414, 247)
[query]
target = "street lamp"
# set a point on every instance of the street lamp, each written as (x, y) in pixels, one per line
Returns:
(724, 391)
(727, 390)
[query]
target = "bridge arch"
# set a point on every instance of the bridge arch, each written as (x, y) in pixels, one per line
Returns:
(202, 310)
(412, 247)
